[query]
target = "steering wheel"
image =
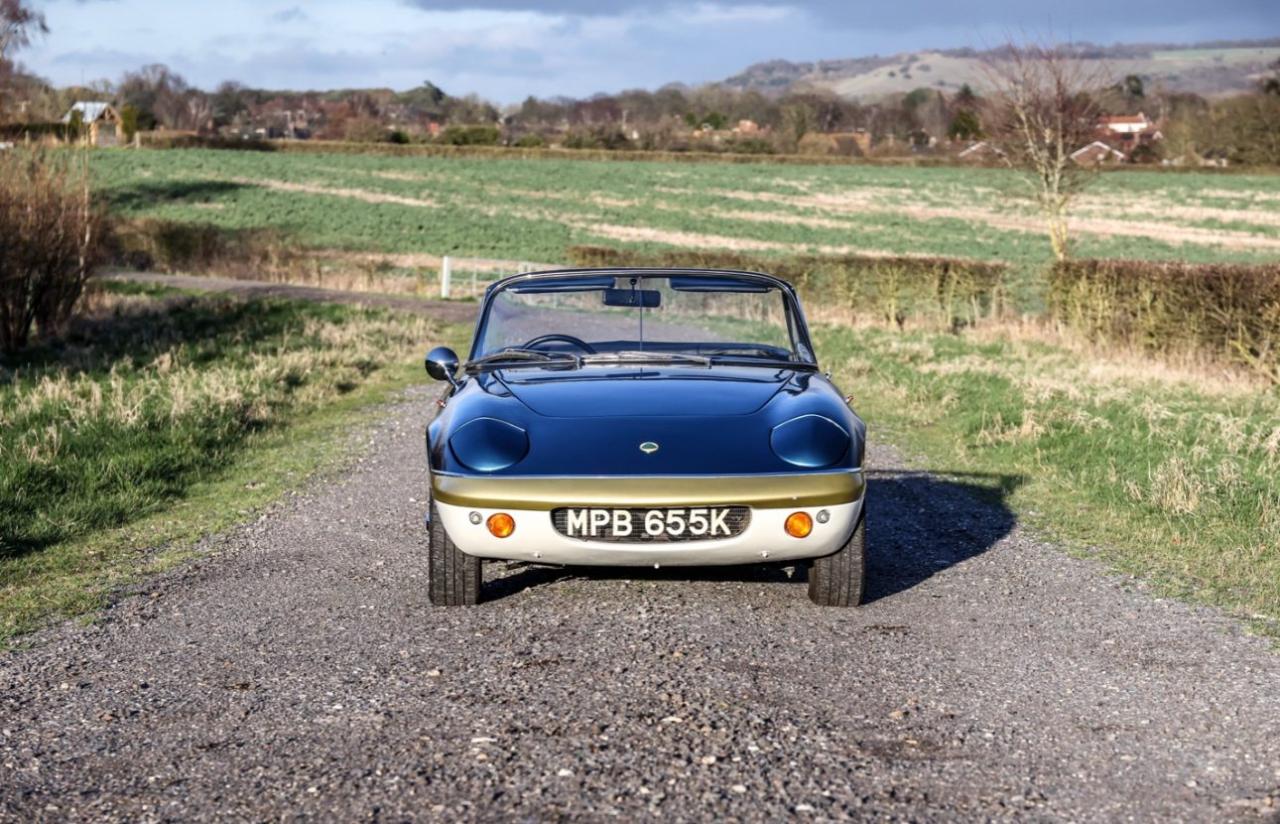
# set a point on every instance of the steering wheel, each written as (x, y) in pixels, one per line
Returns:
(569, 339)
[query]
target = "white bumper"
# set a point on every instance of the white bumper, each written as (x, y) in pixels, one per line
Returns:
(764, 540)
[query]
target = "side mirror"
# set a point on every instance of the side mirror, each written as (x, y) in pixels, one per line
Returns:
(442, 364)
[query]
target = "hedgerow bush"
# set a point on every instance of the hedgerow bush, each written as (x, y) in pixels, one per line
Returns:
(470, 136)
(1225, 311)
(177, 247)
(939, 291)
(50, 241)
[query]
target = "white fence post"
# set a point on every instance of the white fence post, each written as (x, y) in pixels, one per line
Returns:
(446, 275)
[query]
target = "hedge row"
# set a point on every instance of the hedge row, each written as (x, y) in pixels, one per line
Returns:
(34, 131)
(894, 289)
(169, 140)
(188, 141)
(174, 246)
(1229, 311)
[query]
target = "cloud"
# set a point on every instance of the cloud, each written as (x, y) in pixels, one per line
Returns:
(916, 14)
(575, 8)
(293, 14)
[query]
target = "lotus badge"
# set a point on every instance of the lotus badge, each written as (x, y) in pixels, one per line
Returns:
(648, 447)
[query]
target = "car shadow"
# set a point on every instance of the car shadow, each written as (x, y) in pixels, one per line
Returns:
(921, 524)
(918, 526)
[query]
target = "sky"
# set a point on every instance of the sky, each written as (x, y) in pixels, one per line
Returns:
(505, 50)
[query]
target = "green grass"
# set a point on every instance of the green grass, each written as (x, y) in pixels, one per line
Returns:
(152, 428)
(1163, 476)
(532, 209)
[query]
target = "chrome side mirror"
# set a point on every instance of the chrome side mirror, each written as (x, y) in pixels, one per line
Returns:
(442, 364)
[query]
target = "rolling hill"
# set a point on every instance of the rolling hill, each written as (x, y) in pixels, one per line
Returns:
(1209, 69)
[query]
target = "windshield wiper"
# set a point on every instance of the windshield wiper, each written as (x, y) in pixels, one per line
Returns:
(507, 358)
(648, 357)
(768, 361)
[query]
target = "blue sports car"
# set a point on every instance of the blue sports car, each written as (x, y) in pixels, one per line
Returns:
(643, 417)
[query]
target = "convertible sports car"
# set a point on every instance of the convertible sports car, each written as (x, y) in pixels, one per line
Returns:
(643, 417)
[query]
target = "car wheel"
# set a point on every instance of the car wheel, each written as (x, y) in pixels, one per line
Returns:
(453, 577)
(837, 580)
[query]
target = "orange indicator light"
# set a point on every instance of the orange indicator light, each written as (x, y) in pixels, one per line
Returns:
(799, 525)
(501, 525)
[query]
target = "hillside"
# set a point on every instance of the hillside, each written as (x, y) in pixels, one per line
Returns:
(1209, 69)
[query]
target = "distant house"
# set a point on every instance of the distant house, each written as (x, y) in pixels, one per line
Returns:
(1127, 132)
(100, 122)
(1125, 124)
(1096, 154)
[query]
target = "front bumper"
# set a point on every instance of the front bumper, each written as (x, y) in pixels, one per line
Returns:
(530, 502)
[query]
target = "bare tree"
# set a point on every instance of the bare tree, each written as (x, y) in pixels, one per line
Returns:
(199, 114)
(160, 96)
(18, 23)
(1042, 108)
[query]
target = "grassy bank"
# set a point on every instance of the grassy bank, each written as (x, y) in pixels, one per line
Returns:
(1164, 473)
(164, 417)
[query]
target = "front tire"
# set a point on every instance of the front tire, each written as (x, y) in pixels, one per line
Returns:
(453, 577)
(839, 579)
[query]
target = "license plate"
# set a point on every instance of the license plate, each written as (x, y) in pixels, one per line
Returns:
(667, 524)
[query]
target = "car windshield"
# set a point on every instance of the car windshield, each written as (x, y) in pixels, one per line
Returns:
(694, 319)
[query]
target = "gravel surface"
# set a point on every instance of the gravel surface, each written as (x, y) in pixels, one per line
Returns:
(296, 670)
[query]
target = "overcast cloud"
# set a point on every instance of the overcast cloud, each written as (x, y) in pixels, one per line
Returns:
(507, 49)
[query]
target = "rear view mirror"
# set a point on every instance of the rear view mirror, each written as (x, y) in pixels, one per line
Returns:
(645, 298)
(442, 364)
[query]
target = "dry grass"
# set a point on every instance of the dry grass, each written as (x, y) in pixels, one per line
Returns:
(1085, 362)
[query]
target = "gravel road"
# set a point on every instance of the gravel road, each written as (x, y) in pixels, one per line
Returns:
(296, 670)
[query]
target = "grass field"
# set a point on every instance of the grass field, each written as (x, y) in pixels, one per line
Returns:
(1161, 472)
(415, 208)
(165, 417)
